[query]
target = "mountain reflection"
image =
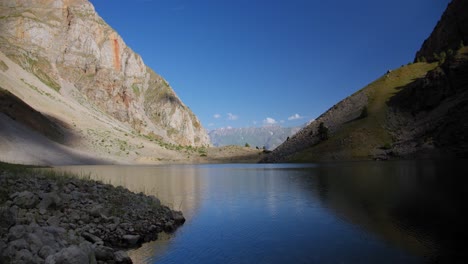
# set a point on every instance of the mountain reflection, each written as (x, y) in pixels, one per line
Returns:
(385, 212)
(179, 187)
(417, 206)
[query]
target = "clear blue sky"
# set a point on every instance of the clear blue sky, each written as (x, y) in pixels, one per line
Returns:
(250, 62)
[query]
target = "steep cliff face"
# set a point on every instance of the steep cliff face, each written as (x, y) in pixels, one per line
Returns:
(65, 41)
(449, 33)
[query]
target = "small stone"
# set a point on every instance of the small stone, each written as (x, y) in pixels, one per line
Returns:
(16, 232)
(45, 251)
(69, 255)
(3, 245)
(74, 216)
(50, 200)
(111, 227)
(24, 256)
(53, 221)
(169, 226)
(104, 253)
(7, 219)
(121, 257)
(88, 249)
(25, 199)
(96, 210)
(131, 240)
(15, 246)
(178, 217)
(34, 241)
(92, 238)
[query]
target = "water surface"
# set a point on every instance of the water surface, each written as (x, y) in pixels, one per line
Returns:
(358, 212)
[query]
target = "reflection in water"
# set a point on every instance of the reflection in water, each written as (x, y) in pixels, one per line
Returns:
(414, 205)
(178, 187)
(359, 212)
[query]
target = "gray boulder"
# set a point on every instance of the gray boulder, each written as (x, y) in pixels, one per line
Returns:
(178, 217)
(49, 200)
(92, 238)
(69, 255)
(7, 219)
(45, 251)
(121, 257)
(104, 253)
(24, 256)
(25, 199)
(16, 232)
(131, 240)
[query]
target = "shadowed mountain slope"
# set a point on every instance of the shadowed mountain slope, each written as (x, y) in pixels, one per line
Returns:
(416, 111)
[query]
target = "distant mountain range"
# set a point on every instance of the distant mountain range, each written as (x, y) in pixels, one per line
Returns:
(269, 137)
(419, 110)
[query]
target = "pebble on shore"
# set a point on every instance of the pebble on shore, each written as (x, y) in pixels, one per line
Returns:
(49, 218)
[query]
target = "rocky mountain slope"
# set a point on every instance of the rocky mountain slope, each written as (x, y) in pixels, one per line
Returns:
(269, 137)
(70, 49)
(417, 111)
(449, 33)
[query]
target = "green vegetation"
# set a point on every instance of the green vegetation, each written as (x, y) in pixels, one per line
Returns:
(37, 90)
(387, 146)
(247, 145)
(37, 67)
(16, 167)
(358, 139)
(3, 66)
(364, 112)
(136, 90)
(450, 53)
(421, 59)
(443, 57)
(170, 146)
(322, 131)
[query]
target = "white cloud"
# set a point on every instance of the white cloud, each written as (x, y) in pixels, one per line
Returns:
(269, 121)
(232, 116)
(295, 117)
(216, 116)
(211, 124)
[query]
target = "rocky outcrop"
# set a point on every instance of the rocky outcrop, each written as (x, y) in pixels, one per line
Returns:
(62, 219)
(431, 114)
(450, 31)
(66, 41)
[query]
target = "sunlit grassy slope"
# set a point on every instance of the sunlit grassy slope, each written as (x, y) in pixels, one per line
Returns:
(361, 138)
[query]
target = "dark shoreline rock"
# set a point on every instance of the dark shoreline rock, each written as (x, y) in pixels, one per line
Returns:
(62, 219)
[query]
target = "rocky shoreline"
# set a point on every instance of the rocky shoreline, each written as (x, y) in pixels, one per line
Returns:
(50, 218)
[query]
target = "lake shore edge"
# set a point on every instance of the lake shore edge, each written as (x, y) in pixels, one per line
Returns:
(50, 217)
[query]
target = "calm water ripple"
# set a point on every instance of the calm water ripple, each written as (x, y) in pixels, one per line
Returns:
(359, 212)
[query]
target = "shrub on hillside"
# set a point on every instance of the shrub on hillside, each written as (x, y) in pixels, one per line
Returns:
(322, 131)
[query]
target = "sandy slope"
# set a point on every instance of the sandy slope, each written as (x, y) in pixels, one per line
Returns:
(90, 135)
(19, 144)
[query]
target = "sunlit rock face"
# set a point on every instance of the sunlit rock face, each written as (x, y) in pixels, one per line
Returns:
(67, 41)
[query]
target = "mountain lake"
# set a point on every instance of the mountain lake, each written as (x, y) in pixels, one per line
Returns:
(347, 212)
